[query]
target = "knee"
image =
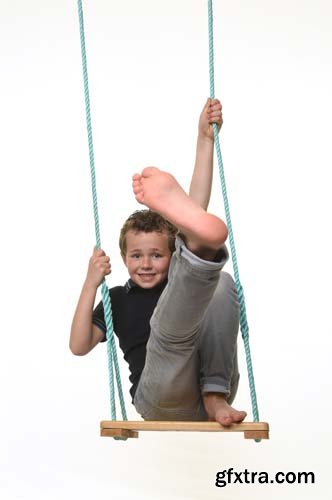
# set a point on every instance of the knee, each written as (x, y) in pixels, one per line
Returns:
(226, 283)
(226, 290)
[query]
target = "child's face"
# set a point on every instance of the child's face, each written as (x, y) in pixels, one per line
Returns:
(147, 258)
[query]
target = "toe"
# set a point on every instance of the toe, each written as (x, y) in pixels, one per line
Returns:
(239, 416)
(226, 421)
(137, 189)
(148, 171)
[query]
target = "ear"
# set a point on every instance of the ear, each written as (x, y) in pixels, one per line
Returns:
(124, 260)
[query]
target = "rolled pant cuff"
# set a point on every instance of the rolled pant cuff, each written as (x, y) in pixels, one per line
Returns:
(218, 263)
(215, 388)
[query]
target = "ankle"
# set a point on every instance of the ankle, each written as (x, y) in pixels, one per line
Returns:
(215, 394)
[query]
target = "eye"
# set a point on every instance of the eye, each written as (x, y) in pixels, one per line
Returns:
(135, 256)
(157, 255)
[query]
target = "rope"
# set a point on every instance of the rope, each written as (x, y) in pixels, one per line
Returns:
(243, 315)
(111, 347)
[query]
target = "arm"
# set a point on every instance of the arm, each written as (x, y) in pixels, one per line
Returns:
(201, 182)
(84, 336)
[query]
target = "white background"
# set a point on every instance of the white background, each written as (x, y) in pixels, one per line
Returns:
(148, 67)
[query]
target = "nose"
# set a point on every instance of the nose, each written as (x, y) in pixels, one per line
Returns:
(146, 262)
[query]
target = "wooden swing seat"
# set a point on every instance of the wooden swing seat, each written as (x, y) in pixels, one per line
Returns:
(130, 429)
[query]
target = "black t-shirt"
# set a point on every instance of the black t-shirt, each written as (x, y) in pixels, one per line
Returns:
(132, 308)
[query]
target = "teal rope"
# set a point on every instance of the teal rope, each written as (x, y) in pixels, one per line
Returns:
(111, 346)
(243, 315)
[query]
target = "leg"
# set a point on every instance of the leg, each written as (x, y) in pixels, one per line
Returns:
(170, 378)
(218, 353)
(169, 388)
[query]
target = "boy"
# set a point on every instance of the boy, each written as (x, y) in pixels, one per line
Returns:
(177, 317)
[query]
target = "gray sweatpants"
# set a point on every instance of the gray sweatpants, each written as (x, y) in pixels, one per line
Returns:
(192, 347)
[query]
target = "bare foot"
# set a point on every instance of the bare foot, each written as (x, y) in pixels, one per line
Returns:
(161, 192)
(219, 410)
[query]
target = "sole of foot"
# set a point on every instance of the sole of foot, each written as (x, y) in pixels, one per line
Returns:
(161, 192)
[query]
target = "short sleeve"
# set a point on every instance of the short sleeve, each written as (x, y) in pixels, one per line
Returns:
(98, 319)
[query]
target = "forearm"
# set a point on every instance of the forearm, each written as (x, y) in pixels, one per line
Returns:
(81, 329)
(201, 182)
